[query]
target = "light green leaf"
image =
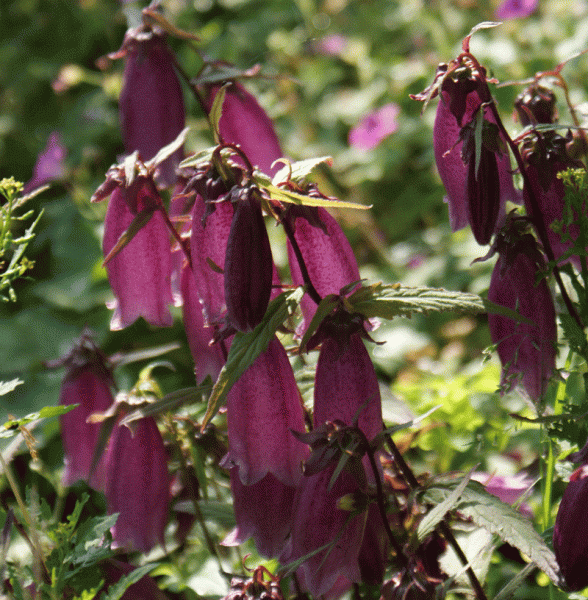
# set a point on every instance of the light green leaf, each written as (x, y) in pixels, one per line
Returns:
(500, 519)
(216, 112)
(8, 386)
(290, 197)
(515, 583)
(140, 220)
(168, 150)
(246, 347)
(116, 591)
(389, 301)
(299, 170)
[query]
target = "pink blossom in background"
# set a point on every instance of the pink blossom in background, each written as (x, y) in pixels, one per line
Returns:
(331, 45)
(514, 9)
(49, 165)
(375, 127)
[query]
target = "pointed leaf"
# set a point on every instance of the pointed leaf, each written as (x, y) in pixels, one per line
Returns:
(116, 591)
(389, 301)
(326, 306)
(437, 514)
(136, 225)
(246, 347)
(289, 197)
(168, 27)
(216, 112)
(11, 427)
(487, 511)
(168, 150)
(299, 170)
(8, 386)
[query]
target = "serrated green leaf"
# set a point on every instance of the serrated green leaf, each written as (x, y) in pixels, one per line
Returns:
(438, 512)
(298, 171)
(290, 197)
(116, 591)
(389, 301)
(500, 519)
(8, 386)
(573, 333)
(246, 347)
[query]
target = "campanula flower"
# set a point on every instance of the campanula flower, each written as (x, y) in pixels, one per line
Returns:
(375, 127)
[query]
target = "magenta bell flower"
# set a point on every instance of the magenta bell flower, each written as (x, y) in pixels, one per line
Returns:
(346, 389)
(327, 253)
(151, 103)
(570, 533)
(88, 382)
(137, 485)
(208, 359)
(140, 273)
(244, 122)
(527, 352)
(263, 511)
(459, 101)
(263, 407)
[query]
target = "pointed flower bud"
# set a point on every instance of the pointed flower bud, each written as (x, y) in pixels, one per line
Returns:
(140, 273)
(526, 351)
(248, 264)
(244, 122)
(137, 485)
(88, 382)
(570, 541)
(151, 104)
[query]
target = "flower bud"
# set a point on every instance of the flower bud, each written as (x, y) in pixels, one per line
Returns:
(570, 541)
(137, 485)
(526, 351)
(536, 104)
(248, 265)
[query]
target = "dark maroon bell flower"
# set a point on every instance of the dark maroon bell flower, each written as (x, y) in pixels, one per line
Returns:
(151, 104)
(570, 533)
(248, 264)
(88, 382)
(527, 351)
(137, 485)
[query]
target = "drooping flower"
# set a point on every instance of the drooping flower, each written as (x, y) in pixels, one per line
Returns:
(137, 485)
(464, 97)
(140, 273)
(526, 351)
(88, 382)
(346, 394)
(263, 511)
(375, 127)
(151, 103)
(515, 9)
(570, 533)
(326, 251)
(244, 122)
(49, 165)
(263, 407)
